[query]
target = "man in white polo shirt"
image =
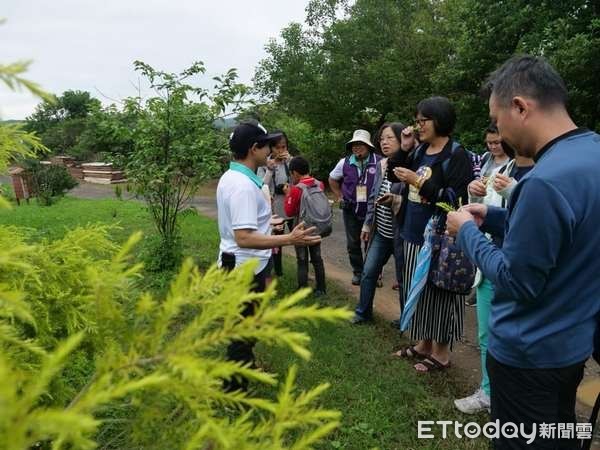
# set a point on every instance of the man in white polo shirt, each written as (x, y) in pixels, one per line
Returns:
(244, 217)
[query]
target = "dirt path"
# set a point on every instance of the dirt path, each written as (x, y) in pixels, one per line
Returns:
(465, 357)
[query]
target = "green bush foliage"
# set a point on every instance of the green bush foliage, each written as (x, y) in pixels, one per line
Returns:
(118, 192)
(62, 122)
(49, 181)
(7, 192)
(79, 341)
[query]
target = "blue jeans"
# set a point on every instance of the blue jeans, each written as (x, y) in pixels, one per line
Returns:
(379, 253)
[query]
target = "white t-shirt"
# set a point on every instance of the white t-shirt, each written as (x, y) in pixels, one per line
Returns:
(338, 171)
(242, 205)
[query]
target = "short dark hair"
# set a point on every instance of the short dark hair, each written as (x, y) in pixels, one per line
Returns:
(245, 135)
(441, 111)
(276, 141)
(300, 165)
(396, 128)
(529, 76)
(241, 154)
(491, 129)
(508, 150)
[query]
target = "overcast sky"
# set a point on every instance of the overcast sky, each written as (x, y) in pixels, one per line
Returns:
(91, 45)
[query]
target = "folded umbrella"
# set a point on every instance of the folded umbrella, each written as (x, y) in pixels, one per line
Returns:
(419, 278)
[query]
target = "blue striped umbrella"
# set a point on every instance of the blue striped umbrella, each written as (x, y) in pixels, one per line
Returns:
(419, 278)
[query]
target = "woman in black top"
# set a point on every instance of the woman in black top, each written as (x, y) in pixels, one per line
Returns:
(430, 171)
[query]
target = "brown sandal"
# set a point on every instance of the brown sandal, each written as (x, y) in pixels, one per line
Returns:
(432, 365)
(409, 353)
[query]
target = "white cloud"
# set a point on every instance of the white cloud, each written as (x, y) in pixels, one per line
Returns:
(90, 45)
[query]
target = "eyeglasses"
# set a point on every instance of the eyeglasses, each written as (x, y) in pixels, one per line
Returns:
(387, 138)
(422, 122)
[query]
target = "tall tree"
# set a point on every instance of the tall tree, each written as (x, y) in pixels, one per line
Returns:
(485, 33)
(355, 65)
(61, 122)
(173, 145)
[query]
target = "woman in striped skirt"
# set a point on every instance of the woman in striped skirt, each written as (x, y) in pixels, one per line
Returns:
(429, 171)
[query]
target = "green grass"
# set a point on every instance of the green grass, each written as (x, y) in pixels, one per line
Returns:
(200, 234)
(381, 398)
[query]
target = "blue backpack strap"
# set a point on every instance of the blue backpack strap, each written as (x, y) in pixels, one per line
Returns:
(446, 162)
(449, 193)
(418, 152)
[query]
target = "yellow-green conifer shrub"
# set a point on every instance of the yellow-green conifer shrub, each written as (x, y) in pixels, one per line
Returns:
(167, 353)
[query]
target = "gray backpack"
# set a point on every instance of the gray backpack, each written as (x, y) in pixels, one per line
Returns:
(315, 210)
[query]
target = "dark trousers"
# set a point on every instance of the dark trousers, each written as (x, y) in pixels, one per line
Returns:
(534, 396)
(317, 262)
(241, 350)
(353, 226)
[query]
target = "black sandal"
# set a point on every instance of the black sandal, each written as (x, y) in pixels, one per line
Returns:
(409, 353)
(433, 365)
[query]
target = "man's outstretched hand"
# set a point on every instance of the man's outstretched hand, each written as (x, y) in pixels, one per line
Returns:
(302, 236)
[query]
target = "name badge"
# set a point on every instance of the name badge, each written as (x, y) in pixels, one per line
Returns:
(361, 193)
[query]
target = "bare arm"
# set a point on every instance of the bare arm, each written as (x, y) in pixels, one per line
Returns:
(252, 239)
(335, 187)
(246, 238)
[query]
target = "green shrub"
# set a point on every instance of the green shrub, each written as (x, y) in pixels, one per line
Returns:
(160, 254)
(86, 359)
(49, 181)
(7, 192)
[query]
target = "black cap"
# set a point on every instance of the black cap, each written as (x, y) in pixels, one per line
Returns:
(248, 133)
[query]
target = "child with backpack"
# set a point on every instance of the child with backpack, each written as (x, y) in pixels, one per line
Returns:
(306, 201)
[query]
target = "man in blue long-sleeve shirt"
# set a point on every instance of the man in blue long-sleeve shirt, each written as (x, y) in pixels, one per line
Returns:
(547, 274)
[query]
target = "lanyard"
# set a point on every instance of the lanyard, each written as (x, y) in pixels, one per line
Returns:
(363, 172)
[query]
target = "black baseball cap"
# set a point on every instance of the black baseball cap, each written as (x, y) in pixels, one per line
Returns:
(248, 133)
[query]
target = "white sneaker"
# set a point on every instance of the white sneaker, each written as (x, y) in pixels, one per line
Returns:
(475, 403)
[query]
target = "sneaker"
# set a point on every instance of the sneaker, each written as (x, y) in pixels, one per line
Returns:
(475, 403)
(318, 293)
(356, 280)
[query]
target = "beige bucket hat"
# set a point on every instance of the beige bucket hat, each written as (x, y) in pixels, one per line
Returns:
(362, 136)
